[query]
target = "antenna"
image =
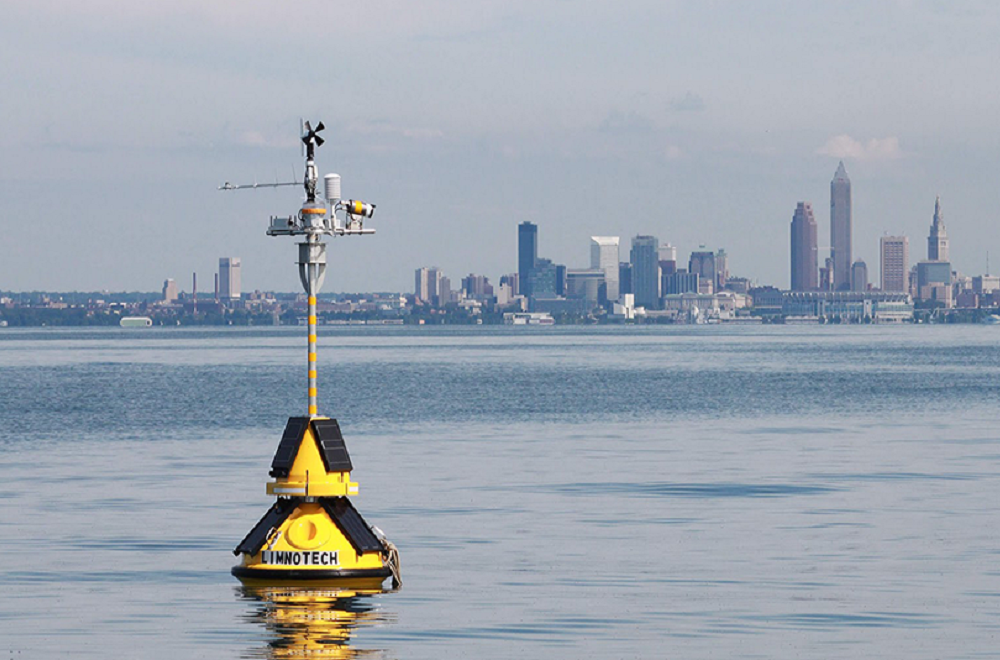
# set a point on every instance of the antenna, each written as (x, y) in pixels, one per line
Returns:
(316, 219)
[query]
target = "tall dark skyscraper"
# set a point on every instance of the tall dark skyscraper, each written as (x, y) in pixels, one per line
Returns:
(937, 241)
(527, 255)
(645, 271)
(805, 256)
(840, 229)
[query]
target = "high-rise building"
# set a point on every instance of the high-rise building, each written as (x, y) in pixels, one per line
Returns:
(721, 269)
(805, 254)
(625, 278)
(604, 256)
(702, 263)
(169, 290)
(894, 263)
(427, 284)
(527, 255)
(229, 278)
(840, 229)
(586, 283)
(477, 286)
(937, 242)
(645, 271)
(859, 276)
(544, 279)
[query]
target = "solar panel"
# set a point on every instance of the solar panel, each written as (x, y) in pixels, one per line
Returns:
(284, 456)
(331, 445)
(257, 537)
(352, 525)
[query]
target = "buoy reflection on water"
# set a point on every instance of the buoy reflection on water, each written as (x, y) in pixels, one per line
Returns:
(311, 623)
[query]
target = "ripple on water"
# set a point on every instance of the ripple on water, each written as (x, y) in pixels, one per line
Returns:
(692, 490)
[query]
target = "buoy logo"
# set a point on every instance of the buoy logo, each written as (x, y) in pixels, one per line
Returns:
(287, 558)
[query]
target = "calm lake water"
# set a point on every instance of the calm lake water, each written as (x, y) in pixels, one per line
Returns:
(695, 492)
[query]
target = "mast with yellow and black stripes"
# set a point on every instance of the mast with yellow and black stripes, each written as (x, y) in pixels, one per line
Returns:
(313, 534)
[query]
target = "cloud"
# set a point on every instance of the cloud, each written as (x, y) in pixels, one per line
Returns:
(690, 102)
(844, 146)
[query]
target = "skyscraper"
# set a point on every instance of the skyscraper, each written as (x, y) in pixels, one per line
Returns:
(859, 276)
(702, 263)
(894, 263)
(426, 284)
(645, 271)
(604, 256)
(805, 257)
(229, 278)
(527, 255)
(840, 229)
(937, 242)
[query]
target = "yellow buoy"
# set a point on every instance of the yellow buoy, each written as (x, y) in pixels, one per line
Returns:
(313, 534)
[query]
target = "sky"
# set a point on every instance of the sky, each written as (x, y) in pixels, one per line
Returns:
(700, 122)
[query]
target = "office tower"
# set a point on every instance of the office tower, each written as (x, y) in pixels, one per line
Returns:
(859, 276)
(512, 280)
(427, 284)
(826, 275)
(805, 256)
(679, 282)
(229, 278)
(443, 291)
(477, 286)
(544, 279)
(586, 283)
(667, 252)
(721, 269)
(894, 263)
(527, 255)
(702, 263)
(560, 280)
(604, 256)
(645, 271)
(840, 229)
(937, 242)
(169, 290)
(624, 278)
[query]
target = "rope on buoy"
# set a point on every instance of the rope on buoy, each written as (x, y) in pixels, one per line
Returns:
(392, 560)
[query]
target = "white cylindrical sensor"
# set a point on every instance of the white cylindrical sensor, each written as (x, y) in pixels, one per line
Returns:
(332, 184)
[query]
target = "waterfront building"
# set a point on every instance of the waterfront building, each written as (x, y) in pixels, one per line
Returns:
(937, 241)
(645, 271)
(894, 263)
(527, 255)
(805, 254)
(840, 229)
(850, 306)
(859, 276)
(604, 256)
(229, 278)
